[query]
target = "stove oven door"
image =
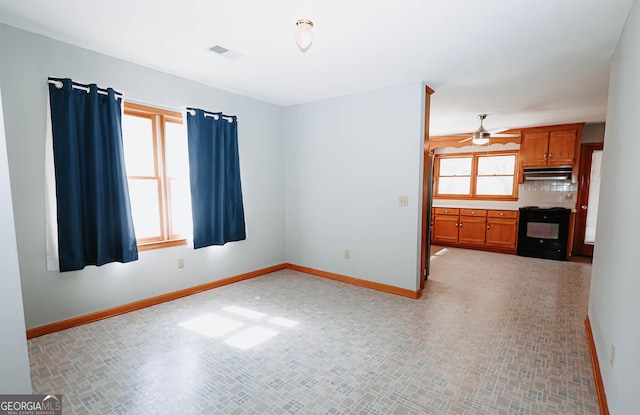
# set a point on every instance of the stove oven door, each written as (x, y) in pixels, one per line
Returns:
(543, 235)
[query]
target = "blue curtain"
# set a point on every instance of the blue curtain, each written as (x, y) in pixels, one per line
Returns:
(214, 167)
(95, 225)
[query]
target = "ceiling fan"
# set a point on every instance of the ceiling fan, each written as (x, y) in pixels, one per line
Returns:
(481, 136)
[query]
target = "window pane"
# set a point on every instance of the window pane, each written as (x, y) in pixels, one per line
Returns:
(454, 185)
(457, 166)
(145, 208)
(489, 165)
(494, 185)
(180, 198)
(177, 156)
(137, 136)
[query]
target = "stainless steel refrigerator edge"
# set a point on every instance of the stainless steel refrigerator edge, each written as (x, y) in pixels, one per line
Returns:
(429, 189)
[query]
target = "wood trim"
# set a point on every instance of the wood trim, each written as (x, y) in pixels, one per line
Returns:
(597, 376)
(158, 117)
(357, 281)
(453, 141)
(148, 302)
(140, 109)
(473, 178)
(427, 189)
(147, 246)
(582, 198)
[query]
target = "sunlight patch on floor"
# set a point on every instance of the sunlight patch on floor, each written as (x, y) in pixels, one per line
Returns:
(441, 252)
(212, 325)
(215, 326)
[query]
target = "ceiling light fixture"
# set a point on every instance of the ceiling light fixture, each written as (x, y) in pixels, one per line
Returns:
(304, 35)
(481, 136)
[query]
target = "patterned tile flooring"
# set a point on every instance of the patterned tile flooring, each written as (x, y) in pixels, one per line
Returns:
(492, 334)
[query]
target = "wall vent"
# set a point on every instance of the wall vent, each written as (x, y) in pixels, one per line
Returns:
(226, 53)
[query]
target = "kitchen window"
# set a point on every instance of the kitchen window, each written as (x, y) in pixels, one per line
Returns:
(156, 158)
(478, 176)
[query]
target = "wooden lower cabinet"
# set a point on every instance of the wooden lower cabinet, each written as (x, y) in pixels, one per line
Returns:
(471, 226)
(495, 230)
(502, 229)
(445, 228)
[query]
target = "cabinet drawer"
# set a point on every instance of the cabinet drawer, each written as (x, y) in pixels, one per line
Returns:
(473, 212)
(447, 211)
(507, 214)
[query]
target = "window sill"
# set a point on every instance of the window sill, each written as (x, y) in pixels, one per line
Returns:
(147, 246)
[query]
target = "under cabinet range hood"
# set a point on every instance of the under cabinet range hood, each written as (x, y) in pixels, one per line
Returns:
(548, 173)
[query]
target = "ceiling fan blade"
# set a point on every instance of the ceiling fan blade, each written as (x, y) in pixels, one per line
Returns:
(504, 135)
(466, 139)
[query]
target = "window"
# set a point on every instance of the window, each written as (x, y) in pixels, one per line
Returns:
(156, 158)
(455, 175)
(486, 176)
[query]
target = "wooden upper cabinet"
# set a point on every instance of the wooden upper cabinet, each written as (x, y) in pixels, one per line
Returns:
(562, 148)
(553, 148)
(533, 152)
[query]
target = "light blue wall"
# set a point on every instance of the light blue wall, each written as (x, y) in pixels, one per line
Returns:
(348, 160)
(614, 307)
(26, 62)
(15, 376)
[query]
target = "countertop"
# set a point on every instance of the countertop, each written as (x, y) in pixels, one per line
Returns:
(495, 204)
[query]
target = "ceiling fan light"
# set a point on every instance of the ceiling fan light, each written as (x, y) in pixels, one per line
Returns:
(480, 138)
(304, 34)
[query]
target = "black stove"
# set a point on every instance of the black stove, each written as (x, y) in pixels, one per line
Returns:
(543, 232)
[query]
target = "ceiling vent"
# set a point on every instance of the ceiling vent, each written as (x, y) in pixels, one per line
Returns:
(226, 53)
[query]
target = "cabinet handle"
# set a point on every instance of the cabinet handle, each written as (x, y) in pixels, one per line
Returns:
(488, 226)
(544, 155)
(550, 155)
(460, 225)
(446, 211)
(473, 212)
(501, 214)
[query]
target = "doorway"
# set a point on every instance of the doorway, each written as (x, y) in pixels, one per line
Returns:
(587, 203)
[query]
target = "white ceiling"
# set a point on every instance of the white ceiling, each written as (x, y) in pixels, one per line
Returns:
(525, 62)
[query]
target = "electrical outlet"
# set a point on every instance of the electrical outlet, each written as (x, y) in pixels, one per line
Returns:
(403, 200)
(612, 356)
(347, 254)
(568, 196)
(180, 263)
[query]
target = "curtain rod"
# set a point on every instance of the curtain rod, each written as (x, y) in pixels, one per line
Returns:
(58, 84)
(213, 115)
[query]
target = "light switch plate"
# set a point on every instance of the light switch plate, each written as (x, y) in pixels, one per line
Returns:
(403, 200)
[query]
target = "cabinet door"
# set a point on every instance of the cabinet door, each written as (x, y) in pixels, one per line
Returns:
(562, 148)
(502, 233)
(534, 149)
(445, 228)
(472, 230)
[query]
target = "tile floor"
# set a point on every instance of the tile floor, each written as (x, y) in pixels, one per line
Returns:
(492, 334)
